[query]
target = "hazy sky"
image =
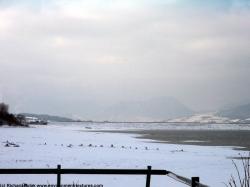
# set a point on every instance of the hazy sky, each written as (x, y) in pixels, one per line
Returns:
(62, 56)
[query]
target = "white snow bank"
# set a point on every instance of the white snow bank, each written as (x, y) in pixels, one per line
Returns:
(47, 146)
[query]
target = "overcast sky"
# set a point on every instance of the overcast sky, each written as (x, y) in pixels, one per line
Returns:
(59, 54)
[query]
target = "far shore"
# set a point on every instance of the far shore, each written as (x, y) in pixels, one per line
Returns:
(238, 139)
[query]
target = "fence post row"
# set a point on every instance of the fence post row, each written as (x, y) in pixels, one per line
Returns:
(148, 176)
(195, 181)
(58, 184)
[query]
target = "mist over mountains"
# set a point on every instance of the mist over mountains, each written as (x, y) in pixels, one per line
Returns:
(154, 109)
(238, 112)
(161, 108)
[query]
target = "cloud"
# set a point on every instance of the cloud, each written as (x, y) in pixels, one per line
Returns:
(118, 50)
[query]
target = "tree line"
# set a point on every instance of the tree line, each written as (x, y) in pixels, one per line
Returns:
(7, 118)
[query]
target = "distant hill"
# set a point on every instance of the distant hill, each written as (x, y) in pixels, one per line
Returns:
(161, 108)
(239, 112)
(46, 117)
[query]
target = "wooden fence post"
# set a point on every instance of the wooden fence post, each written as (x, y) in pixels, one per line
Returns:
(148, 176)
(195, 181)
(58, 176)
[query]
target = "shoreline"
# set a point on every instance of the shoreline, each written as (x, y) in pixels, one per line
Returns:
(238, 139)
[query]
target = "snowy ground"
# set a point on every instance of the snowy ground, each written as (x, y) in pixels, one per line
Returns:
(47, 146)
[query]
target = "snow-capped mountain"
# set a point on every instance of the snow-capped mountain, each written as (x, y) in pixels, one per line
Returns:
(208, 118)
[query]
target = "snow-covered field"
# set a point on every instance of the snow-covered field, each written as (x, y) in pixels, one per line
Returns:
(73, 147)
